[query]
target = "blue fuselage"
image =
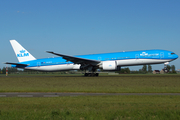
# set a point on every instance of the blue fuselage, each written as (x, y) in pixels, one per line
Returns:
(122, 59)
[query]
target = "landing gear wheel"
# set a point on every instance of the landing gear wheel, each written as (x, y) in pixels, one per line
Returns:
(86, 74)
(91, 74)
(97, 74)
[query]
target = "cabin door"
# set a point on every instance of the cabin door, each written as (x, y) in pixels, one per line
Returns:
(162, 54)
(137, 56)
(38, 64)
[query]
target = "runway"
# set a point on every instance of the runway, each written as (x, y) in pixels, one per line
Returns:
(78, 94)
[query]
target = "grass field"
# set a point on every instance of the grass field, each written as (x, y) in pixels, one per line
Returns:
(101, 84)
(91, 108)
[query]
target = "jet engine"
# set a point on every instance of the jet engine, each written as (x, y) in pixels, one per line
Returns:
(110, 65)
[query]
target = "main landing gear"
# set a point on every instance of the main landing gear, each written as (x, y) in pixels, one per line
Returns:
(91, 74)
(91, 71)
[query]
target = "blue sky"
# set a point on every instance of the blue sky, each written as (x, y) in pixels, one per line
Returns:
(76, 27)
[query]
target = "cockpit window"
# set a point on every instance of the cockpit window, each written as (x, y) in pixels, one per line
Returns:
(172, 53)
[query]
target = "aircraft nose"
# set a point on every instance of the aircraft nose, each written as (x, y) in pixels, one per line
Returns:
(176, 56)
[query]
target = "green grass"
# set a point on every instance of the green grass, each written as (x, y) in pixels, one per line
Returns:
(102, 84)
(91, 108)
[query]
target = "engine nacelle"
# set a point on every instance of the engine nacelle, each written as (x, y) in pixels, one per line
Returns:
(109, 65)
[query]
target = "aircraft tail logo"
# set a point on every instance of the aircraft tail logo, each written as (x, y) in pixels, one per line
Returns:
(21, 53)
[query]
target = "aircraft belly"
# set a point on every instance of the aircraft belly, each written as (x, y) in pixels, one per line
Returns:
(139, 62)
(54, 67)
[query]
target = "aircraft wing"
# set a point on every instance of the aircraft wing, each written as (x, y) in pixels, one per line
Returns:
(76, 60)
(17, 64)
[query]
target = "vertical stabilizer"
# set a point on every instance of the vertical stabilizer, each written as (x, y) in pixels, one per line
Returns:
(21, 53)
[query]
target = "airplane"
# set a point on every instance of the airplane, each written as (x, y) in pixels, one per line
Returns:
(91, 62)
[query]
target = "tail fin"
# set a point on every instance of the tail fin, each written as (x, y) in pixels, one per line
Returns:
(21, 53)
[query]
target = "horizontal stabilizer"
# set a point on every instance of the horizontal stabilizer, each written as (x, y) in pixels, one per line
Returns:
(17, 64)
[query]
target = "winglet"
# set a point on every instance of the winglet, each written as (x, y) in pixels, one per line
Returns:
(49, 52)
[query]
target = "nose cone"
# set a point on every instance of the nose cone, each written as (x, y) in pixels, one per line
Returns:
(175, 56)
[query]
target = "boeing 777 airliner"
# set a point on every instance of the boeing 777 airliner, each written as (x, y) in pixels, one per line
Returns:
(91, 62)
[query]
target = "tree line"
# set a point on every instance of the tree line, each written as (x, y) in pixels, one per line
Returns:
(145, 69)
(10, 70)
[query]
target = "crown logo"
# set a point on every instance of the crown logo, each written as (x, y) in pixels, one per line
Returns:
(144, 54)
(22, 51)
